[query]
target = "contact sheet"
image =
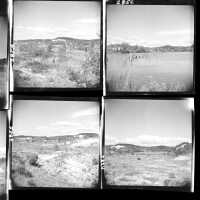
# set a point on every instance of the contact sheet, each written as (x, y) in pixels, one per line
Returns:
(98, 96)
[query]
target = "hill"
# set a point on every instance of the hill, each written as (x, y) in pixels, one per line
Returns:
(51, 46)
(126, 48)
(68, 139)
(181, 149)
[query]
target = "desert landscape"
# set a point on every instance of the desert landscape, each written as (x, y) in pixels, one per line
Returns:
(144, 69)
(67, 161)
(132, 165)
(61, 62)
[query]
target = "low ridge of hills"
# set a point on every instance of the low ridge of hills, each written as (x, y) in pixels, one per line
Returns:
(126, 48)
(181, 149)
(59, 44)
(70, 138)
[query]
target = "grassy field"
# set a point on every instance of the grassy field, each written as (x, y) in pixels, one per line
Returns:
(148, 169)
(2, 177)
(3, 83)
(152, 72)
(61, 63)
(55, 164)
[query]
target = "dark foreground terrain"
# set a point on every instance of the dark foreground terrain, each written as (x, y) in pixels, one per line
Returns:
(3, 83)
(127, 164)
(144, 69)
(57, 63)
(70, 161)
(2, 175)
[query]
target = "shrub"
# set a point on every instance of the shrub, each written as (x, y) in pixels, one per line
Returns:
(95, 161)
(38, 67)
(33, 160)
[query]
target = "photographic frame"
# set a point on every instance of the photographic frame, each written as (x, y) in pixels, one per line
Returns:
(73, 90)
(121, 83)
(87, 141)
(139, 144)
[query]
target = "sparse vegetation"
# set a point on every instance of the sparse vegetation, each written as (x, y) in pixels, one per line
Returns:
(57, 164)
(34, 160)
(161, 72)
(2, 178)
(150, 167)
(3, 82)
(59, 63)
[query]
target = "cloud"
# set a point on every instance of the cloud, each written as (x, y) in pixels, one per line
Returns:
(86, 113)
(62, 128)
(82, 29)
(184, 37)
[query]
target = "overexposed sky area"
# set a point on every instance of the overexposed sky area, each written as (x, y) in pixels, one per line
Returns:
(148, 122)
(150, 25)
(51, 118)
(3, 37)
(51, 19)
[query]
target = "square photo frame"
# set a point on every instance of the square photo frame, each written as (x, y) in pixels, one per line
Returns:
(150, 48)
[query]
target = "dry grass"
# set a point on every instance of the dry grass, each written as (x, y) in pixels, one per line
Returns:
(147, 169)
(2, 177)
(3, 83)
(154, 72)
(39, 66)
(54, 165)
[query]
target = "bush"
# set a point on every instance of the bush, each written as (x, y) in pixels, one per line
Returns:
(38, 67)
(33, 160)
(95, 161)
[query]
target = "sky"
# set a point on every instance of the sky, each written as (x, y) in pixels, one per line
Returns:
(3, 130)
(148, 122)
(150, 25)
(51, 19)
(53, 118)
(3, 37)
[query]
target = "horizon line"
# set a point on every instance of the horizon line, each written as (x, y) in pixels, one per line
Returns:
(55, 135)
(147, 145)
(53, 38)
(141, 45)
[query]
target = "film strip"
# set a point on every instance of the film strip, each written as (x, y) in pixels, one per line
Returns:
(102, 117)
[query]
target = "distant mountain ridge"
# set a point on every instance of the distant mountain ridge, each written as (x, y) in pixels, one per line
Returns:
(126, 48)
(59, 38)
(181, 149)
(58, 138)
(60, 45)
